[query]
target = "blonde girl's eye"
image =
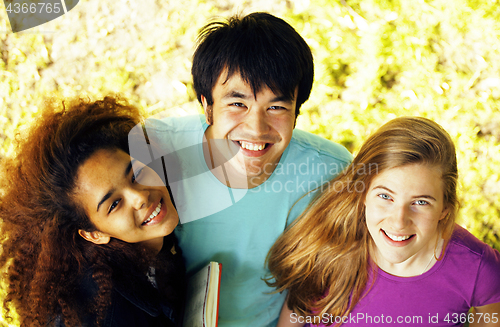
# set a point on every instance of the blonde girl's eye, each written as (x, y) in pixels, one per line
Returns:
(384, 196)
(421, 202)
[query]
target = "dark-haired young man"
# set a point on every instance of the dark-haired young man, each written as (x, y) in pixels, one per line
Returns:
(243, 169)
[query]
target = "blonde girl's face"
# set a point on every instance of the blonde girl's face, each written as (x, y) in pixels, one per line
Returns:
(403, 207)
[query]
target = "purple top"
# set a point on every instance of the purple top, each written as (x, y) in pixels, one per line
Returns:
(467, 276)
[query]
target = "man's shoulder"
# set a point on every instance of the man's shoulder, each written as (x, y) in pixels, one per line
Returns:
(176, 124)
(320, 145)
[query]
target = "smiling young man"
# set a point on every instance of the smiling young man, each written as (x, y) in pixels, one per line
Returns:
(260, 125)
(239, 173)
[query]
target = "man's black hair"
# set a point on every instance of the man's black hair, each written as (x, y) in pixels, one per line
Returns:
(264, 49)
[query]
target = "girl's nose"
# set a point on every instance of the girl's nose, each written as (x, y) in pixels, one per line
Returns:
(139, 198)
(400, 218)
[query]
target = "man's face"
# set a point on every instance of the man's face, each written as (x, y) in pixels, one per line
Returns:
(260, 125)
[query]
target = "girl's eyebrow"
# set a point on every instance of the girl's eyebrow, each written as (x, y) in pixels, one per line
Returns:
(385, 188)
(425, 196)
(105, 197)
(129, 167)
(110, 192)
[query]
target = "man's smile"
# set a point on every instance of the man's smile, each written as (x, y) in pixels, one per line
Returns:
(252, 146)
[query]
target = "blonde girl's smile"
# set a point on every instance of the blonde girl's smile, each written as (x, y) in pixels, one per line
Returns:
(398, 240)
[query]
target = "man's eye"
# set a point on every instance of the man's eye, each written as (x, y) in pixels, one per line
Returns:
(237, 104)
(113, 205)
(277, 108)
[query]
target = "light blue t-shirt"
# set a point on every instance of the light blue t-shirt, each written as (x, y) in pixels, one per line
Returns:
(237, 227)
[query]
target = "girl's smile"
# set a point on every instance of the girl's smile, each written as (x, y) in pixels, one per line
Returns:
(397, 240)
(156, 215)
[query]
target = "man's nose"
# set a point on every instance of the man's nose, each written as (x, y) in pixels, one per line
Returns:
(257, 121)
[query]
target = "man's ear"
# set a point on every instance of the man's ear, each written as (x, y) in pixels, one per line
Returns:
(207, 109)
(95, 237)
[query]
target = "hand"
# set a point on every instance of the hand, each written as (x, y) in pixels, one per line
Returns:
(485, 316)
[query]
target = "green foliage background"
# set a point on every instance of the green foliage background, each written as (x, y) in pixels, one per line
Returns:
(374, 60)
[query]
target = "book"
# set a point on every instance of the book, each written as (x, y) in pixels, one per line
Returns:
(202, 297)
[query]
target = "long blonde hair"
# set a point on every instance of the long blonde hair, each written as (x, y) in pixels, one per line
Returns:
(323, 259)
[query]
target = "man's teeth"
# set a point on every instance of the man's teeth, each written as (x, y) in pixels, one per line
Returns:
(153, 214)
(397, 238)
(252, 146)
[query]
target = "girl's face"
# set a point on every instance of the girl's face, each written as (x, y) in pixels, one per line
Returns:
(403, 207)
(124, 199)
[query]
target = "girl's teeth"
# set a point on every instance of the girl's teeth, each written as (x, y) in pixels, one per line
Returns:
(397, 238)
(153, 214)
(252, 146)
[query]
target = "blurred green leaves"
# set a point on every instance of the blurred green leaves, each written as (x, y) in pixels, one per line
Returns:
(374, 60)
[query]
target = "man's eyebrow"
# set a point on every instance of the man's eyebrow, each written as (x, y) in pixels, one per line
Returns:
(110, 192)
(236, 94)
(241, 95)
(282, 98)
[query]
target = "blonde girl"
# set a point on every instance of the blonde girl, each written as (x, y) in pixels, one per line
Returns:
(380, 246)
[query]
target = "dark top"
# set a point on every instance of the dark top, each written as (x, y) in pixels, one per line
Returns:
(139, 303)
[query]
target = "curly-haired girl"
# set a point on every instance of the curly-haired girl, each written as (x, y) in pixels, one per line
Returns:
(86, 229)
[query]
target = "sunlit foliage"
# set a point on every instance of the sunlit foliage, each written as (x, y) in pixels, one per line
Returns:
(375, 60)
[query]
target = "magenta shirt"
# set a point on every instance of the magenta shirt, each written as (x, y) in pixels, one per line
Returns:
(467, 276)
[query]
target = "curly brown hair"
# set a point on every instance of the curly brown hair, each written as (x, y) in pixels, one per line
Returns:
(44, 257)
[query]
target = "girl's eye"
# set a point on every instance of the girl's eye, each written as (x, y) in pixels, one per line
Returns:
(136, 175)
(421, 202)
(384, 196)
(113, 205)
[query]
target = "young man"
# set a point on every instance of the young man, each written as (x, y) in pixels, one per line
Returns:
(239, 173)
